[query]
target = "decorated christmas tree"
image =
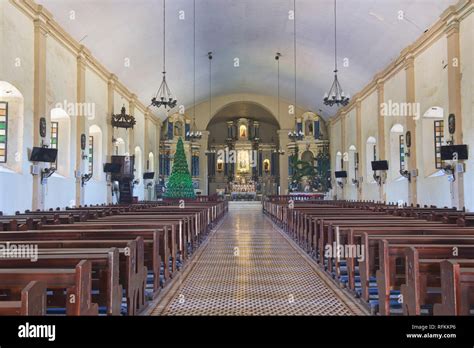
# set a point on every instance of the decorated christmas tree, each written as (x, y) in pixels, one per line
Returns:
(180, 184)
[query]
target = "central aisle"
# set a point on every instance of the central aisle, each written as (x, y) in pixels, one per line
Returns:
(249, 268)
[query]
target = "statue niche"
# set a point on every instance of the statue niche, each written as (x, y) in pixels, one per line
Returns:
(243, 131)
(178, 129)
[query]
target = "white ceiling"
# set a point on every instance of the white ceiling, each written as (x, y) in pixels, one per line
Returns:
(369, 34)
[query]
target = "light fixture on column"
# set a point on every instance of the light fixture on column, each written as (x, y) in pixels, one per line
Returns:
(336, 95)
(194, 134)
(164, 96)
(294, 135)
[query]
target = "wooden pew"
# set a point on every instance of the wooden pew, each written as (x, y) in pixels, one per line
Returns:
(457, 287)
(155, 241)
(422, 270)
(393, 247)
(13, 223)
(105, 266)
(32, 301)
(76, 281)
(133, 272)
(161, 235)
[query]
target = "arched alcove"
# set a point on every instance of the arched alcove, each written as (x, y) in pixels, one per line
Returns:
(119, 147)
(397, 150)
(151, 162)
(138, 163)
(95, 152)
(11, 127)
(308, 156)
(338, 165)
(351, 170)
(60, 138)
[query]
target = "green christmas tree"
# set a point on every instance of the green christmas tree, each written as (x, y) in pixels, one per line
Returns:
(180, 184)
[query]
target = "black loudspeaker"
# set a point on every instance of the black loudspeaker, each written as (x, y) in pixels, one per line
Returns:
(43, 154)
(379, 165)
(149, 175)
(112, 168)
(454, 152)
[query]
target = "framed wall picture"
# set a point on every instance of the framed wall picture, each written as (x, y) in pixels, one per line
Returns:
(42, 127)
(83, 142)
(452, 124)
(408, 139)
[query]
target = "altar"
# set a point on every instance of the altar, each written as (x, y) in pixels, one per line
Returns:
(243, 196)
(243, 191)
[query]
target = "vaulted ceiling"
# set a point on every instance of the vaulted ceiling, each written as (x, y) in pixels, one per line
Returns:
(370, 35)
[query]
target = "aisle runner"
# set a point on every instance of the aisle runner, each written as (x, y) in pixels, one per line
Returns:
(249, 268)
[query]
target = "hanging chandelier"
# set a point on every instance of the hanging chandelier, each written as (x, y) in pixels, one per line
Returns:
(123, 120)
(294, 135)
(164, 96)
(194, 134)
(336, 95)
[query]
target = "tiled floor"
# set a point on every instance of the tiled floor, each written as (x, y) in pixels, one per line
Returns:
(249, 268)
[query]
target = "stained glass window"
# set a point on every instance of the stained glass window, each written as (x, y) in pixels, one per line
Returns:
(54, 135)
(438, 141)
(3, 131)
(402, 152)
(91, 154)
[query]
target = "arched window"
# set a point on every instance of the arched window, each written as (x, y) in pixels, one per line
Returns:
(370, 155)
(151, 162)
(338, 161)
(95, 152)
(11, 127)
(397, 150)
(60, 138)
(119, 147)
(138, 163)
(351, 174)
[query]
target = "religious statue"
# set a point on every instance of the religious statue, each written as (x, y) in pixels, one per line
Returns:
(243, 131)
(178, 129)
(266, 166)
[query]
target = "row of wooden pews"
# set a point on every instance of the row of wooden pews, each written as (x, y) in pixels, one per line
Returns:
(408, 260)
(98, 260)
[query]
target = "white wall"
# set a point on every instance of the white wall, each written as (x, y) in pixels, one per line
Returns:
(396, 188)
(17, 69)
(369, 125)
(16, 38)
(467, 106)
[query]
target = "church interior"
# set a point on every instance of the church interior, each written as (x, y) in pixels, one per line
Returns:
(237, 157)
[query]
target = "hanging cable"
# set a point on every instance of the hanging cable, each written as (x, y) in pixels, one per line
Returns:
(209, 54)
(294, 50)
(335, 37)
(164, 36)
(194, 61)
